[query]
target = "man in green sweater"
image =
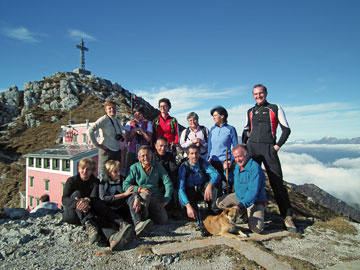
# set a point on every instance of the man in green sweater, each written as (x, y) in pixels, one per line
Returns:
(153, 186)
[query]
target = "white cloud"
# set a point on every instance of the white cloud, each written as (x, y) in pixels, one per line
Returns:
(348, 163)
(77, 34)
(355, 148)
(319, 108)
(187, 98)
(22, 34)
(335, 123)
(338, 179)
(309, 122)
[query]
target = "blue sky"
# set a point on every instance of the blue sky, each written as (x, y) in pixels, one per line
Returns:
(200, 54)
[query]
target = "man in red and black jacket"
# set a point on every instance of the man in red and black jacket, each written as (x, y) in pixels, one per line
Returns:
(259, 135)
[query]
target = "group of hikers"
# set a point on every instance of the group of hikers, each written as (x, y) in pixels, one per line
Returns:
(216, 171)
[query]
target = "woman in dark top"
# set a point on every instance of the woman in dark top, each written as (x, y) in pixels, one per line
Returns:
(83, 206)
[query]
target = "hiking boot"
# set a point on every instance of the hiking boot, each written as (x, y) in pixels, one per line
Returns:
(125, 234)
(92, 231)
(289, 224)
(202, 230)
(143, 226)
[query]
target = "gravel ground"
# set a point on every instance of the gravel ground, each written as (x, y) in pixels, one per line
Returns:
(47, 243)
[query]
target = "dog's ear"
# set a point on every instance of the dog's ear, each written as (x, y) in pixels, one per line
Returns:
(226, 210)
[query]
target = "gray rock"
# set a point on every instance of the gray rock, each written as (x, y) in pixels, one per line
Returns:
(54, 118)
(69, 103)
(168, 260)
(15, 213)
(45, 107)
(55, 105)
(12, 96)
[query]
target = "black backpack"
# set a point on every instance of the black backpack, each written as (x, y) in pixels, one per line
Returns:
(188, 170)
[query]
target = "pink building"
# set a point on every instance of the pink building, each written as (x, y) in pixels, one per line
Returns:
(47, 170)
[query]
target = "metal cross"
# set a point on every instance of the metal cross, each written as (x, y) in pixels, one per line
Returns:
(82, 55)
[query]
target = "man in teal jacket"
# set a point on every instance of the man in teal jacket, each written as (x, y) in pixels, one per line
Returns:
(249, 185)
(153, 188)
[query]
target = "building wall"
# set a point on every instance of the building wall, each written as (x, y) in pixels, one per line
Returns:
(57, 179)
(76, 134)
(55, 185)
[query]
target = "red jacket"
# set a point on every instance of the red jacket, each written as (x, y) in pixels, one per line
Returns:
(167, 127)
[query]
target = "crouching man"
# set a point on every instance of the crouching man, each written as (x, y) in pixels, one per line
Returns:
(249, 185)
(146, 176)
(198, 181)
(83, 206)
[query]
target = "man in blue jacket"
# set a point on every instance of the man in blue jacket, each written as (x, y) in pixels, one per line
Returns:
(249, 185)
(198, 182)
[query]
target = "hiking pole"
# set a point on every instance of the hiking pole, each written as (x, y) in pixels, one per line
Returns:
(227, 172)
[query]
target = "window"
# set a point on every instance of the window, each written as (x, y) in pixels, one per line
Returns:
(84, 137)
(63, 185)
(46, 163)
(38, 162)
(31, 204)
(31, 181)
(75, 138)
(55, 164)
(66, 165)
(31, 162)
(46, 182)
(37, 201)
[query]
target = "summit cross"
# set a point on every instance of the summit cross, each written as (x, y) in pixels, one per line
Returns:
(82, 55)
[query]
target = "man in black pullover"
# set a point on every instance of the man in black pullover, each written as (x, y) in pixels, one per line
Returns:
(259, 135)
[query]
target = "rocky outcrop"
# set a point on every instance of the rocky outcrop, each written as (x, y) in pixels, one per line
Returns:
(61, 91)
(11, 102)
(319, 196)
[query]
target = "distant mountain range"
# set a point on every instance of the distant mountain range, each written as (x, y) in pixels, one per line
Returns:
(332, 140)
(327, 140)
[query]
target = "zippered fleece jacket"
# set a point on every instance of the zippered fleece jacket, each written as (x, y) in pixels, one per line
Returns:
(249, 183)
(107, 132)
(158, 177)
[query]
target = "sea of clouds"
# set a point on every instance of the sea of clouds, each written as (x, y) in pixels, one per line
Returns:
(334, 168)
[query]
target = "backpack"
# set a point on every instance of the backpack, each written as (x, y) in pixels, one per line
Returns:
(188, 170)
(172, 124)
(203, 129)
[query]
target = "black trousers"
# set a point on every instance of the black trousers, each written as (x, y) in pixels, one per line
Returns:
(100, 215)
(196, 194)
(266, 154)
(218, 165)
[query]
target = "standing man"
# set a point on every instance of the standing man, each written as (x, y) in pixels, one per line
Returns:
(249, 186)
(260, 136)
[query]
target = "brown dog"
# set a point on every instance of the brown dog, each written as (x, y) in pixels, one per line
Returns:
(224, 223)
